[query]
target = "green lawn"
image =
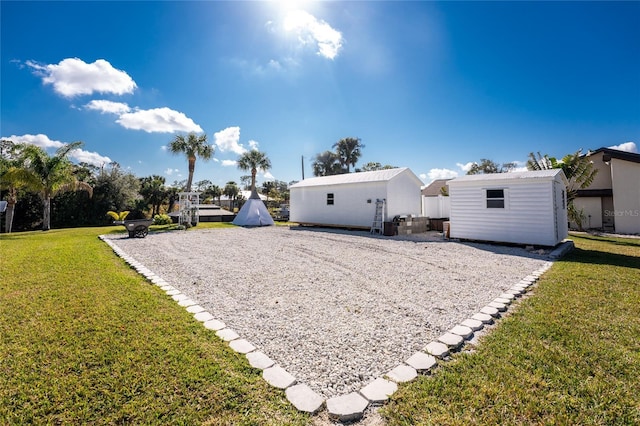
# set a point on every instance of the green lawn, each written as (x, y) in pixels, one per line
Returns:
(84, 339)
(570, 354)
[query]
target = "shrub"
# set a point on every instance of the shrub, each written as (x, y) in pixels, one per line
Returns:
(162, 219)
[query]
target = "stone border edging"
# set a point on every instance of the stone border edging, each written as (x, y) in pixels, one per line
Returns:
(350, 407)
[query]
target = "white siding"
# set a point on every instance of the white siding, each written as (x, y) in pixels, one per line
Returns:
(528, 216)
(436, 207)
(355, 197)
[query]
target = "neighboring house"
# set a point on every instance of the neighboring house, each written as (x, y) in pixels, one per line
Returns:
(435, 205)
(349, 200)
(226, 202)
(612, 201)
(520, 207)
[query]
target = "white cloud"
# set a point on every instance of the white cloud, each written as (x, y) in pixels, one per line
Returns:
(40, 140)
(627, 146)
(229, 163)
(110, 107)
(229, 140)
(171, 171)
(44, 142)
(442, 174)
(253, 144)
(317, 32)
(465, 167)
(268, 176)
(94, 158)
(160, 120)
(72, 77)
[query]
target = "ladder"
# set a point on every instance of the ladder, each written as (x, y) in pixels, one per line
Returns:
(378, 220)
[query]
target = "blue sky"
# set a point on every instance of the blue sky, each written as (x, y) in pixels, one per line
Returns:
(428, 85)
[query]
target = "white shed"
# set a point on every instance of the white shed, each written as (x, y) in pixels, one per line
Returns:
(349, 200)
(519, 207)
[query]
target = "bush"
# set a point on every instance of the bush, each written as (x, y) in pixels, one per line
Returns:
(162, 219)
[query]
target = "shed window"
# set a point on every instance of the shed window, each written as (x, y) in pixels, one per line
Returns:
(495, 198)
(330, 199)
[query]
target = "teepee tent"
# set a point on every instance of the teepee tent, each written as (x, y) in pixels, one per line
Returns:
(253, 213)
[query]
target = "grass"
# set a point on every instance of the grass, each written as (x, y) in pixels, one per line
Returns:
(86, 340)
(568, 355)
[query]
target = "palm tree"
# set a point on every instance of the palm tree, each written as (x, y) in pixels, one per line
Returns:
(10, 165)
(231, 190)
(192, 146)
(349, 151)
(326, 164)
(254, 160)
(579, 171)
(49, 175)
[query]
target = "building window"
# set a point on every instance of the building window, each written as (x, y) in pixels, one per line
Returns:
(330, 199)
(495, 198)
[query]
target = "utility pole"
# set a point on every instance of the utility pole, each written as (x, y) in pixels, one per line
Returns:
(302, 158)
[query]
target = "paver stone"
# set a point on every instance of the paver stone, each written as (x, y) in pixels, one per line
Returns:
(259, 360)
(379, 390)
(473, 324)
(304, 398)
(421, 361)
(437, 349)
(278, 377)
(462, 331)
(490, 311)
(242, 346)
(227, 334)
(485, 318)
(214, 325)
(402, 373)
(451, 340)
(347, 407)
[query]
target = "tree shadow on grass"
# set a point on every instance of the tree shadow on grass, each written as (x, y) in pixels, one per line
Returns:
(596, 257)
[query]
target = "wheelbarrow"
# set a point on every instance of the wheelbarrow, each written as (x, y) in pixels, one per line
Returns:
(138, 228)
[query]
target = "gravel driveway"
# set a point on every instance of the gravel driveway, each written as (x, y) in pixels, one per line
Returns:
(336, 309)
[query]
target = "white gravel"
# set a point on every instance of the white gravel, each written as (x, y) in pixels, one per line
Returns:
(336, 309)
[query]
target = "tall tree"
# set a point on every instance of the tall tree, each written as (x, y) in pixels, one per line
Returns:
(12, 182)
(154, 192)
(231, 190)
(326, 164)
(349, 151)
(253, 161)
(49, 175)
(192, 146)
(487, 166)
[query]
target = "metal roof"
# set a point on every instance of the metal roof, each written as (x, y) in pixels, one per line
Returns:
(534, 174)
(358, 177)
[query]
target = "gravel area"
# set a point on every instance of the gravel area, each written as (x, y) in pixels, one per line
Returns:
(336, 309)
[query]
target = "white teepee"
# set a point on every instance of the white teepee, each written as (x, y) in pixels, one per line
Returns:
(253, 213)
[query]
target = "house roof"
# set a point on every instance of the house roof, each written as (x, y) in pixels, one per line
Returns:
(359, 177)
(534, 174)
(435, 188)
(620, 155)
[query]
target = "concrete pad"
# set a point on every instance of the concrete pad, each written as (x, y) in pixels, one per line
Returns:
(203, 316)
(195, 309)
(451, 340)
(347, 407)
(490, 311)
(421, 361)
(485, 318)
(473, 324)
(437, 349)
(259, 360)
(304, 398)
(242, 346)
(462, 331)
(214, 325)
(379, 391)
(227, 334)
(278, 377)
